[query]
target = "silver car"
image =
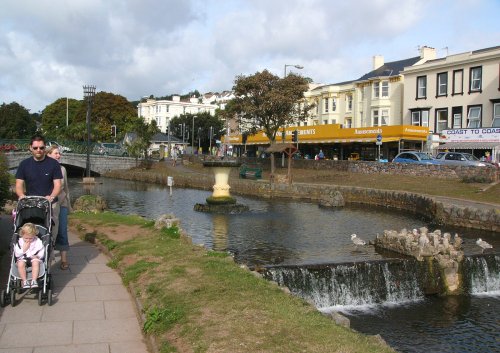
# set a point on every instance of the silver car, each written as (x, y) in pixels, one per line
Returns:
(459, 158)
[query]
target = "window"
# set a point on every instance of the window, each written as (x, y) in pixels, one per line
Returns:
(317, 107)
(474, 117)
(384, 117)
(475, 79)
(376, 87)
(385, 89)
(496, 115)
(375, 118)
(334, 104)
(420, 117)
(421, 87)
(325, 122)
(457, 117)
(349, 102)
(326, 105)
(441, 119)
(348, 122)
(442, 84)
(458, 82)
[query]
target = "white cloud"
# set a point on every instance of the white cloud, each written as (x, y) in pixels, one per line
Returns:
(50, 48)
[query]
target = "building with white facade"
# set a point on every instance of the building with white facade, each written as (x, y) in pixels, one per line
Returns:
(374, 99)
(458, 98)
(162, 111)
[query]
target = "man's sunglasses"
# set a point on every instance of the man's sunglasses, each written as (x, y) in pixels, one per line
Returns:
(38, 148)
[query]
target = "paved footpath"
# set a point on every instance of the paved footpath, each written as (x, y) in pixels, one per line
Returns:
(91, 312)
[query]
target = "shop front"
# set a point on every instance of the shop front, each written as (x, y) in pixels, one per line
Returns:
(335, 142)
(484, 143)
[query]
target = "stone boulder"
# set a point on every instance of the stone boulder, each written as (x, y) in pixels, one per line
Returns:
(167, 221)
(332, 199)
(90, 203)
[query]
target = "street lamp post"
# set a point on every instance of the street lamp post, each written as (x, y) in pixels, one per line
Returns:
(199, 138)
(88, 94)
(300, 67)
(192, 137)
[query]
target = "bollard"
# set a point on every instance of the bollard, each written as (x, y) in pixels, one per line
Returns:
(170, 183)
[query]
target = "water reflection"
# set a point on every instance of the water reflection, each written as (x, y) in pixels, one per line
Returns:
(272, 232)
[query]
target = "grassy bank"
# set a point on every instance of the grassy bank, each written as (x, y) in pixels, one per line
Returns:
(201, 301)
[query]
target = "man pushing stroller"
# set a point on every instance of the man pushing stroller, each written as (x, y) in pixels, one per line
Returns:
(29, 251)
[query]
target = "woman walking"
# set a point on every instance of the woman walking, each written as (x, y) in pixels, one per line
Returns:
(62, 243)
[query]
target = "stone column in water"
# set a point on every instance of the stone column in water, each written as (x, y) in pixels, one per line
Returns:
(221, 187)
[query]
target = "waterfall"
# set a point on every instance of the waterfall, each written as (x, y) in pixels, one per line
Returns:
(482, 273)
(363, 283)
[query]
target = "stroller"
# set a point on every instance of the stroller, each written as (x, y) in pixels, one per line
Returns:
(36, 210)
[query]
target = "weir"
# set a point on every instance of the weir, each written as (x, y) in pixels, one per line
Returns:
(380, 282)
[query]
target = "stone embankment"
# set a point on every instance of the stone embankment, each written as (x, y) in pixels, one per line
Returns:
(431, 208)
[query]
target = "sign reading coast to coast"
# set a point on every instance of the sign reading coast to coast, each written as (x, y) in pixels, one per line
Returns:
(334, 133)
(485, 134)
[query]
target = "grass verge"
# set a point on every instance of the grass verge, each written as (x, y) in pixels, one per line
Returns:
(201, 301)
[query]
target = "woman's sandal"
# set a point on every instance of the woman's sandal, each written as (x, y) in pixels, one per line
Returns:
(64, 266)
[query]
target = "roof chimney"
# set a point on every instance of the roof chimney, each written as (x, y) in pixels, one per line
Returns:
(427, 53)
(378, 61)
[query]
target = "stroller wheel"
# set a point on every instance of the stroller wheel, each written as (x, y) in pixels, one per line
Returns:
(3, 298)
(40, 297)
(13, 297)
(49, 297)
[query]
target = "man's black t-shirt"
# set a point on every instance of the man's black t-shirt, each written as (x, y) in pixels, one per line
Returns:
(39, 176)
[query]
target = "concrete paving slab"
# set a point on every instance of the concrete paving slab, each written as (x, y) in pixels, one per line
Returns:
(75, 348)
(75, 260)
(36, 334)
(90, 251)
(30, 312)
(99, 259)
(116, 330)
(119, 309)
(108, 278)
(72, 280)
(90, 268)
(2, 327)
(63, 294)
(128, 347)
(17, 350)
(73, 311)
(103, 292)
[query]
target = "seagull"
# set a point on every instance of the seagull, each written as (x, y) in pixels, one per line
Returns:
(483, 245)
(357, 241)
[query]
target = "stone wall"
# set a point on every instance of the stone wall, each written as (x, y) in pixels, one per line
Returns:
(425, 206)
(487, 174)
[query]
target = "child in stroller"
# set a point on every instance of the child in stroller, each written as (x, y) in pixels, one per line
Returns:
(33, 217)
(29, 251)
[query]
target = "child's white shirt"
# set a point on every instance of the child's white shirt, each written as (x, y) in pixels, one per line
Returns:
(35, 249)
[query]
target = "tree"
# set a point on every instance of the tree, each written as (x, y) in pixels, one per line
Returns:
(108, 109)
(202, 123)
(54, 118)
(16, 122)
(144, 133)
(266, 102)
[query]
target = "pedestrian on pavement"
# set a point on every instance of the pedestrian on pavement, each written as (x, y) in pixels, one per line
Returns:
(174, 156)
(40, 176)
(29, 251)
(62, 243)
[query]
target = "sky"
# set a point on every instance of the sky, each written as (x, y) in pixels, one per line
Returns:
(50, 48)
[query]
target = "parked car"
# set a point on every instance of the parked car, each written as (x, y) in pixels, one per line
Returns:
(459, 158)
(61, 148)
(112, 149)
(415, 157)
